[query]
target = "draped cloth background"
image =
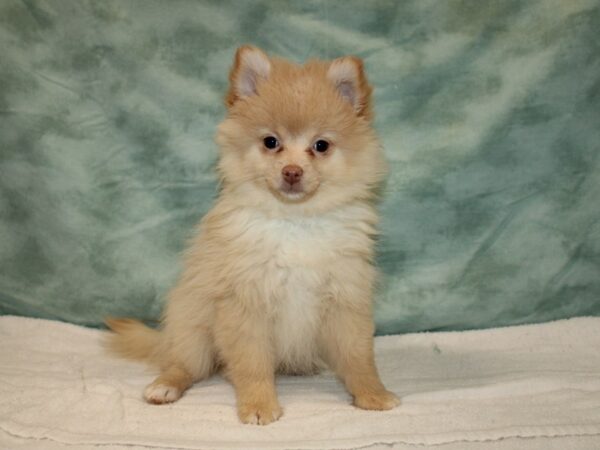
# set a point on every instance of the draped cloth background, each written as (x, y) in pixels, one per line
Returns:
(489, 113)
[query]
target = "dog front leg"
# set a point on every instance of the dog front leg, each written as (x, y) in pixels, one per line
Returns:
(243, 337)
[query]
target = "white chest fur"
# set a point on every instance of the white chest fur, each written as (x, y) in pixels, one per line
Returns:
(296, 275)
(289, 269)
(297, 307)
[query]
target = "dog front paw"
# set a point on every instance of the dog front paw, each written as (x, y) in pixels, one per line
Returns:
(259, 413)
(379, 401)
(159, 393)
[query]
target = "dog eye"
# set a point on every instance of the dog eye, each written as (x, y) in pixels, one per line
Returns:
(271, 142)
(321, 146)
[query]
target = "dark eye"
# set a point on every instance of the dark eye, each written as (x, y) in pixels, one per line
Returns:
(321, 146)
(271, 142)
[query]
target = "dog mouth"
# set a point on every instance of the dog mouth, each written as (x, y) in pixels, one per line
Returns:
(287, 188)
(293, 192)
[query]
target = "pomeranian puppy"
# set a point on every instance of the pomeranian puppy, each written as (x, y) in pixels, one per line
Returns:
(279, 277)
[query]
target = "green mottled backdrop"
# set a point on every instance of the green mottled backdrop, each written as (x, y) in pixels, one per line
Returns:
(489, 112)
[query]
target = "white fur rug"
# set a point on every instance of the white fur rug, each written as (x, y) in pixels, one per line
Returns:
(533, 386)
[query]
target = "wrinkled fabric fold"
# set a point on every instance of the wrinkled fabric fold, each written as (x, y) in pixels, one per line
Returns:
(518, 383)
(488, 116)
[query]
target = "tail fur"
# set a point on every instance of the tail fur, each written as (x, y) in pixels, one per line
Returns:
(133, 340)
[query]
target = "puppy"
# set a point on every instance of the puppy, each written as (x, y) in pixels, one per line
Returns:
(279, 276)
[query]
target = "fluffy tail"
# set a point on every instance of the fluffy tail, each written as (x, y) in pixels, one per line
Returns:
(133, 340)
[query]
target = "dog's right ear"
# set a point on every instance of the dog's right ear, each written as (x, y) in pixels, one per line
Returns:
(348, 75)
(251, 66)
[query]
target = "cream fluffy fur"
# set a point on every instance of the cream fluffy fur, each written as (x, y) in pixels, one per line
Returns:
(278, 279)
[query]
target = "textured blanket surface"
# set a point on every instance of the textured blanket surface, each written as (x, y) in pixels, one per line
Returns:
(488, 112)
(519, 385)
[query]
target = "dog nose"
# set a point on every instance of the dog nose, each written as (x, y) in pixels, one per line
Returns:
(292, 173)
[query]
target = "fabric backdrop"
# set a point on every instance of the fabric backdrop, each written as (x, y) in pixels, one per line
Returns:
(489, 112)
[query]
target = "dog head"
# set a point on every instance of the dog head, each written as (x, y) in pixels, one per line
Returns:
(298, 134)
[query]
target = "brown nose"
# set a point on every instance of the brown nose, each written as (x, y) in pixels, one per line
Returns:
(292, 173)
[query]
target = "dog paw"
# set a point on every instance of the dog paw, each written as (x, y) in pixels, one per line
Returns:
(259, 414)
(379, 401)
(158, 394)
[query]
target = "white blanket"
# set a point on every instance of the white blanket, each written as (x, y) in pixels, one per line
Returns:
(513, 385)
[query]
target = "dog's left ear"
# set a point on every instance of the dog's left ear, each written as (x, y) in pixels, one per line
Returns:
(348, 76)
(251, 66)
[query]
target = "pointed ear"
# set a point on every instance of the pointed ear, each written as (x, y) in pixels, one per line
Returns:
(250, 66)
(348, 76)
